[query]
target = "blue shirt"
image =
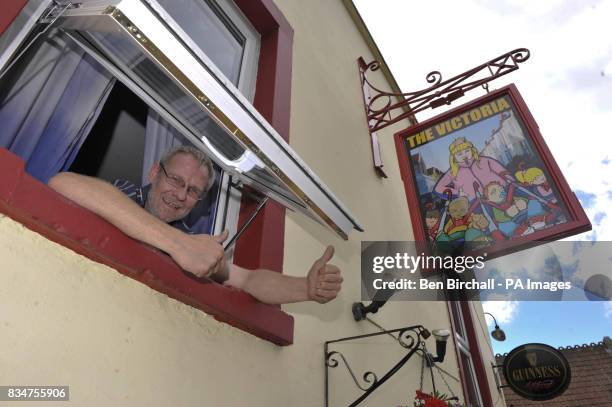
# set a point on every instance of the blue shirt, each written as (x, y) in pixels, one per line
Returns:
(139, 195)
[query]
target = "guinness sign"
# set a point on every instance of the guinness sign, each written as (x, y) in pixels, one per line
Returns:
(536, 371)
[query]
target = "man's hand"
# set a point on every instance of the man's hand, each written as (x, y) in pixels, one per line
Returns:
(201, 255)
(324, 280)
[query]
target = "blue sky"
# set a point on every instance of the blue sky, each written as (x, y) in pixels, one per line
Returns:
(567, 84)
(554, 323)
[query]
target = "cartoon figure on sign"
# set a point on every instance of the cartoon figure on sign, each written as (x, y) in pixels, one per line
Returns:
(432, 221)
(509, 211)
(478, 226)
(467, 168)
(459, 210)
(535, 178)
(538, 188)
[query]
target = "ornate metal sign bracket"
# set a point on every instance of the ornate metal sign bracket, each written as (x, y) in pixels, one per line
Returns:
(384, 108)
(411, 338)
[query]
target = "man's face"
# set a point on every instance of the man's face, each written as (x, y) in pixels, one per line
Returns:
(169, 202)
(464, 157)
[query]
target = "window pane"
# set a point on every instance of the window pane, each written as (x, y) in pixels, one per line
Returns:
(458, 318)
(272, 183)
(212, 31)
(157, 83)
(176, 100)
(470, 382)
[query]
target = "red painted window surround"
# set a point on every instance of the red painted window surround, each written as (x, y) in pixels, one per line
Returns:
(8, 11)
(261, 246)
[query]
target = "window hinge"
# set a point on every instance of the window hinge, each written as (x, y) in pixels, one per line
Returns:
(56, 10)
(49, 16)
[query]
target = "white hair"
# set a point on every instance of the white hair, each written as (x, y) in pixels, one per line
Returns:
(201, 158)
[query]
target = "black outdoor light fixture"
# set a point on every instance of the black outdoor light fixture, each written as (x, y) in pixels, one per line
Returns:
(441, 336)
(497, 334)
(361, 311)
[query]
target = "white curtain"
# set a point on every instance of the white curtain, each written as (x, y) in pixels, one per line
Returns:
(49, 101)
(160, 137)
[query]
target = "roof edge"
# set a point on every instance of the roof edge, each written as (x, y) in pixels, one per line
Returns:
(367, 36)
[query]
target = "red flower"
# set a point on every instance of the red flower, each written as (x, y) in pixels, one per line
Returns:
(430, 401)
(422, 396)
(433, 402)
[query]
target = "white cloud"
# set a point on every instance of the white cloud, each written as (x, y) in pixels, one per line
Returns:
(607, 306)
(591, 259)
(608, 69)
(503, 311)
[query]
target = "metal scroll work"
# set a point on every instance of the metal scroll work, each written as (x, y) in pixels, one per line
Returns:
(410, 338)
(384, 108)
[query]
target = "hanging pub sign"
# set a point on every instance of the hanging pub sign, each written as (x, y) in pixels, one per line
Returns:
(481, 177)
(536, 371)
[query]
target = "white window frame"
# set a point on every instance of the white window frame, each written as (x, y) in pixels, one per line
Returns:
(463, 347)
(252, 41)
(252, 47)
(229, 198)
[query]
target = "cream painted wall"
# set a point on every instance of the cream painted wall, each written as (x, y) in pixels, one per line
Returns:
(67, 320)
(328, 124)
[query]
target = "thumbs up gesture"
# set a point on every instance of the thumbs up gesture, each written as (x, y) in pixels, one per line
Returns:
(324, 280)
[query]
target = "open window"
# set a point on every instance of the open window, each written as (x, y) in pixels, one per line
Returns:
(162, 57)
(146, 56)
(129, 136)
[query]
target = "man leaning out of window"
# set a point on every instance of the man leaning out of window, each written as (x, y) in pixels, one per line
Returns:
(154, 215)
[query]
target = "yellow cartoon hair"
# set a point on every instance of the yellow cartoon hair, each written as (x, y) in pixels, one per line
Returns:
(456, 146)
(529, 175)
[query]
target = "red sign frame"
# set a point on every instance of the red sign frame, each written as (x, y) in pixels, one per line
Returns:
(411, 143)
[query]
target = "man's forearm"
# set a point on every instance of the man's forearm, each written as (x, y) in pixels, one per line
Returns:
(268, 286)
(321, 284)
(111, 204)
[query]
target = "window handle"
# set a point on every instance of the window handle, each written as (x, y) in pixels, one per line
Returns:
(245, 163)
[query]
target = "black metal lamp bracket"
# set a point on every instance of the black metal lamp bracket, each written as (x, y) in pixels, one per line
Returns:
(411, 338)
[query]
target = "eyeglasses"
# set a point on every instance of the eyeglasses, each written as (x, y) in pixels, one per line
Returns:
(178, 182)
